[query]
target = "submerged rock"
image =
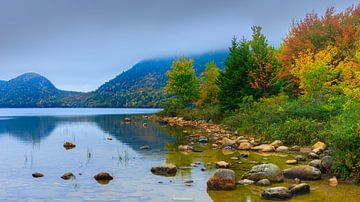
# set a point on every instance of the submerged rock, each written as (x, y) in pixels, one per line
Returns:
(276, 193)
(167, 170)
(223, 179)
(37, 174)
(300, 158)
(303, 172)
(203, 139)
(298, 189)
(185, 148)
(67, 176)
(69, 145)
(266, 171)
(226, 142)
(103, 176)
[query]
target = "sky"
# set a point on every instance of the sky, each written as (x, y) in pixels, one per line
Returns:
(80, 44)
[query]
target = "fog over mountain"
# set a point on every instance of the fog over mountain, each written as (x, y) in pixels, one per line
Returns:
(80, 44)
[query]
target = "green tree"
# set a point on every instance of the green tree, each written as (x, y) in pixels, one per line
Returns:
(182, 84)
(234, 81)
(208, 87)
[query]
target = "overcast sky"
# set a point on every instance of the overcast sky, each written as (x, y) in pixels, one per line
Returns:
(80, 44)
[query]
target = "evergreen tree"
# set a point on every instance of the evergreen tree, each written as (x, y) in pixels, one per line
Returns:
(182, 84)
(208, 88)
(233, 82)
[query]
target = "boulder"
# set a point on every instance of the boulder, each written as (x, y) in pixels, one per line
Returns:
(266, 171)
(167, 170)
(223, 179)
(69, 145)
(298, 189)
(264, 148)
(245, 146)
(315, 163)
(303, 172)
(318, 147)
(246, 182)
(222, 164)
(326, 163)
(291, 162)
(103, 176)
(37, 174)
(67, 176)
(282, 149)
(276, 143)
(263, 182)
(333, 181)
(276, 193)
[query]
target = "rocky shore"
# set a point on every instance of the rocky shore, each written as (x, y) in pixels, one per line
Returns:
(320, 163)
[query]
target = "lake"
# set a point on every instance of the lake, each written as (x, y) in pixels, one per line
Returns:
(32, 141)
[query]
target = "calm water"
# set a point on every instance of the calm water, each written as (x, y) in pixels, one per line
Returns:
(31, 141)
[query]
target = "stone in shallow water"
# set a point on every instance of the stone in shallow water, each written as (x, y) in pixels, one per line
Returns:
(167, 170)
(268, 171)
(298, 189)
(276, 193)
(263, 182)
(303, 172)
(67, 176)
(222, 164)
(69, 145)
(37, 174)
(246, 182)
(103, 176)
(223, 179)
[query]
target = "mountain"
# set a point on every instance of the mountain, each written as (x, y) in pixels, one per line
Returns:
(32, 90)
(141, 85)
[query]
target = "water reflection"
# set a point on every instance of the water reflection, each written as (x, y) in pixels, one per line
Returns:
(35, 129)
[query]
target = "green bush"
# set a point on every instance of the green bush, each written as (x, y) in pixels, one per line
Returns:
(343, 135)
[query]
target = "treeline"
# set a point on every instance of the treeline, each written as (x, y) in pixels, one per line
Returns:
(306, 90)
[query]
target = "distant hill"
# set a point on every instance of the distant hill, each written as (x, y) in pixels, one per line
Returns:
(140, 86)
(31, 90)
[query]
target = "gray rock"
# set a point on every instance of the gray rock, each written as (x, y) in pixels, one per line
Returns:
(263, 182)
(276, 193)
(315, 163)
(203, 139)
(266, 171)
(326, 163)
(246, 182)
(300, 158)
(303, 173)
(298, 189)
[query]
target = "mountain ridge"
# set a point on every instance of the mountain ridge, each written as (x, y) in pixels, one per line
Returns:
(139, 86)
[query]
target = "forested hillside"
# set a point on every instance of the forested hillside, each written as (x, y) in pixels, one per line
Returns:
(141, 86)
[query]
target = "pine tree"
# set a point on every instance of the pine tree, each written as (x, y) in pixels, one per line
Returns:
(233, 82)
